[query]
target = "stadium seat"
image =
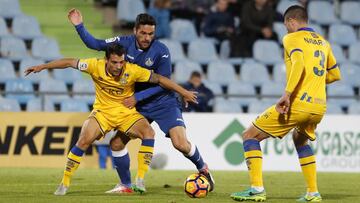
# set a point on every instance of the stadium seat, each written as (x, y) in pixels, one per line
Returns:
(183, 30)
(225, 53)
(343, 35)
(254, 73)
(318, 29)
(214, 87)
(73, 105)
(35, 105)
(221, 72)
(279, 73)
(202, 51)
(333, 108)
(226, 106)
(183, 70)
(354, 108)
(322, 12)
(350, 73)
(127, 10)
(54, 90)
(267, 52)
(272, 89)
(338, 53)
(241, 88)
(26, 27)
(7, 71)
(4, 32)
(68, 75)
(285, 4)
(175, 49)
(34, 77)
(280, 30)
(22, 90)
(340, 89)
(354, 53)
(13, 48)
(8, 105)
(349, 12)
(258, 106)
(87, 88)
(9, 8)
(45, 48)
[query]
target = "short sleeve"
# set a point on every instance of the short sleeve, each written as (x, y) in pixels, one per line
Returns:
(87, 65)
(331, 62)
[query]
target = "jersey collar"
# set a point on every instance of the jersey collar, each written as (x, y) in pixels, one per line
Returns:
(306, 29)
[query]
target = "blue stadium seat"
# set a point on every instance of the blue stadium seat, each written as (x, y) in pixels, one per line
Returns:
(350, 73)
(9, 105)
(13, 48)
(279, 73)
(68, 75)
(4, 32)
(285, 4)
(202, 51)
(176, 50)
(35, 105)
(9, 8)
(34, 77)
(17, 86)
(338, 53)
(343, 35)
(127, 10)
(226, 106)
(272, 89)
(84, 86)
(55, 90)
(349, 12)
(73, 105)
(214, 87)
(322, 12)
(241, 88)
(267, 52)
(221, 72)
(7, 71)
(45, 48)
(183, 30)
(254, 73)
(280, 30)
(26, 27)
(225, 53)
(258, 106)
(340, 89)
(183, 70)
(318, 29)
(354, 108)
(333, 108)
(354, 53)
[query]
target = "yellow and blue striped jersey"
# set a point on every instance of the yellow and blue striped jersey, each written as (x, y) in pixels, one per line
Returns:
(310, 63)
(110, 91)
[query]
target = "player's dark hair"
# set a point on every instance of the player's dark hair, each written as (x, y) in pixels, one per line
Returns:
(114, 48)
(144, 19)
(296, 12)
(195, 74)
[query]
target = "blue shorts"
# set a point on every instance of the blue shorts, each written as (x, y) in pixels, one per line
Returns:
(166, 118)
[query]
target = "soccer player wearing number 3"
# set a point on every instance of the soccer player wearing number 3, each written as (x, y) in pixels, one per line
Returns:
(152, 101)
(310, 65)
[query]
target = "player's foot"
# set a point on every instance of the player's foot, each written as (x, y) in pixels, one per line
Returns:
(61, 190)
(310, 198)
(120, 189)
(139, 186)
(206, 172)
(249, 194)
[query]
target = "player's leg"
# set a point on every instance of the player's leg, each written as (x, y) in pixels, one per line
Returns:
(142, 129)
(89, 132)
(190, 151)
(102, 151)
(121, 162)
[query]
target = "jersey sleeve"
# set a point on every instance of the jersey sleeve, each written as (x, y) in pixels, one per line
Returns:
(141, 74)
(332, 69)
(87, 65)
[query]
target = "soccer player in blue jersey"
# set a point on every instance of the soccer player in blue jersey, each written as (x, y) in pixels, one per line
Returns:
(310, 65)
(152, 101)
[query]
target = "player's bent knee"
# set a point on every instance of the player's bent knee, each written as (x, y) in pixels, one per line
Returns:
(116, 144)
(148, 133)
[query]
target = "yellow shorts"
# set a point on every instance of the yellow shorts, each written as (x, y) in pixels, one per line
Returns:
(122, 121)
(278, 125)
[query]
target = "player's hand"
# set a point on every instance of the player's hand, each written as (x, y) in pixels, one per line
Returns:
(130, 102)
(33, 69)
(75, 16)
(283, 105)
(190, 96)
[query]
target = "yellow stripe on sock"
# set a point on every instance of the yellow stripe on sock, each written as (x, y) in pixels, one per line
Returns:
(146, 149)
(74, 157)
(307, 160)
(253, 153)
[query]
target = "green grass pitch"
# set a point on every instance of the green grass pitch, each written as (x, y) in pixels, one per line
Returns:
(89, 185)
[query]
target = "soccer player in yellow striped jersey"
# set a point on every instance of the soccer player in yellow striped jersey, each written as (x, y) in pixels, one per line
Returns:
(114, 80)
(310, 65)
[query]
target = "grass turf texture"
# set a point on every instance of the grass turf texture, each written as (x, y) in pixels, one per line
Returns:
(89, 185)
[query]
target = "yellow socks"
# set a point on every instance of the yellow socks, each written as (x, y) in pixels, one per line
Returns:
(73, 162)
(253, 156)
(308, 167)
(144, 157)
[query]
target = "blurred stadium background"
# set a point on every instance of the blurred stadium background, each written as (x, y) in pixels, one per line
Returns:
(40, 116)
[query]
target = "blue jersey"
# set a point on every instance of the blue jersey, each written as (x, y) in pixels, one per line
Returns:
(150, 97)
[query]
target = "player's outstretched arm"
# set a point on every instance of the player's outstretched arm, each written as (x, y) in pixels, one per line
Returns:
(189, 96)
(56, 64)
(91, 42)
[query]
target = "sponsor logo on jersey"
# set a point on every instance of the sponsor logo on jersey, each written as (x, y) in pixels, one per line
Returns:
(111, 40)
(82, 66)
(123, 80)
(165, 56)
(149, 62)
